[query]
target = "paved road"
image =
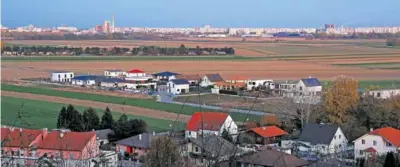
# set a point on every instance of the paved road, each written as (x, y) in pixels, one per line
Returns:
(166, 97)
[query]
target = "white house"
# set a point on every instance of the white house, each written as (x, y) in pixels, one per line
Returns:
(210, 123)
(113, 73)
(62, 76)
(102, 136)
(384, 94)
(135, 73)
(309, 87)
(210, 80)
(323, 138)
(253, 83)
(178, 86)
(286, 89)
(84, 80)
(193, 79)
(165, 75)
(377, 142)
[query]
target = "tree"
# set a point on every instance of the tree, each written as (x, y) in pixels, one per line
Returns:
(225, 134)
(122, 128)
(390, 161)
(182, 50)
(163, 153)
(107, 120)
(90, 119)
(61, 118)
(339, 98)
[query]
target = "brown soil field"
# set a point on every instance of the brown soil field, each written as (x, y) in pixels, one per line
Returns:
(114, 107)
(253, 69)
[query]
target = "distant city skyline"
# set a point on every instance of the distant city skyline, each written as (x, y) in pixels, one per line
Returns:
(183, 13)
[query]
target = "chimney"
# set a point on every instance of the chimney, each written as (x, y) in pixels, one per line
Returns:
(44, 133)
(371, 129)
(20, 129)
(140, 137)
(61, 135)
(154, 133)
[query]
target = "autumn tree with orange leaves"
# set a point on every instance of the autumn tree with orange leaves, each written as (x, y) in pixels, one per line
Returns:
(339, 98)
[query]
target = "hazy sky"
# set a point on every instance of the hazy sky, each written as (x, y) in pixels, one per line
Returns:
(194, 13)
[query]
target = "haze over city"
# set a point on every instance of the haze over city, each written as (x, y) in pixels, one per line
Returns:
(183, 13)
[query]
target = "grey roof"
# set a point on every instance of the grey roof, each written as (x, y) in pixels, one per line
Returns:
(136, 141)
(309, 82)
(214, 77)
(215, 146)
(318, 133)
(272, 158)
(180, 81)
(103, 134)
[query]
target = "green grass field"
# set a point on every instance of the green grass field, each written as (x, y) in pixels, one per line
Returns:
(144, 103)
(38, 114)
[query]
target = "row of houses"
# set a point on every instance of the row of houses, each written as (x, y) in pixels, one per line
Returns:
(202, 142)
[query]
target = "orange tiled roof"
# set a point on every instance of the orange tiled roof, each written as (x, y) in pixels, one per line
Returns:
(390, 134)
(237, 84)
(269, 131)
(17, 138)
(70, 141)
(206, 121)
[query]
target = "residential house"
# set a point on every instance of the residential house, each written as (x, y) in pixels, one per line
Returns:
(103, 136)
(236, 79)
(286, 88)
(254, 83)
(19, 141)
(270, 158)
(114, 73)
(178, 86)
(193, 79)
(61, 76)
(210, 123)
(323, 138)
(266, 134)
(84, 80)
(111, 82)
(229, 85)
(33, 144)
(138, 145)
(211, 149)
(384, 93)
(166, 75)
(308, 91)
(135, 73)
(210, 80)
(309, 87)
(377, 142)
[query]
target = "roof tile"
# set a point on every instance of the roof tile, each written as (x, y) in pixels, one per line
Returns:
(206, 121)
(390, 134)
(269, 131)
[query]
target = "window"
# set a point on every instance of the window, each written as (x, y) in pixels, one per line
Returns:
(340, 136)
(374, 142)
(177, 90)
(388, 144)
(378, 94)
(340, 146)
(334, 137)
(173, 85)
(301, 93)
(196, 149)
(71, 156)
(12, 152)
(21, 152)
(33, 153)
(71, 76)
(59, 76)
(190, 133)
(57, 155)
(65, 75)
(301, 88)
(323, 147)
(362, 141)
(361, 151)
(318, 93)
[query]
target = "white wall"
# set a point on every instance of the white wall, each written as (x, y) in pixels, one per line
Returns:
(339, 142)
(384, 94)
(135, 74)
(302, 90)
(230, 126)
(256, 83)
(83, 82)
(113, 73)
(61, 77)
(380, 146)
(205, 82)
(177, 89)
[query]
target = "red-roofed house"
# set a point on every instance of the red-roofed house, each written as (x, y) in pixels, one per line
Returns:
(267, 134)
(382, 140)
(73, 145)
(135, 73)
(209, 123)
(18, 141)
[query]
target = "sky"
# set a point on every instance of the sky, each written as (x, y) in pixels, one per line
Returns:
(192, 13)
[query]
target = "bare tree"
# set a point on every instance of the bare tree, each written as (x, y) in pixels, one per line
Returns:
(164, 152)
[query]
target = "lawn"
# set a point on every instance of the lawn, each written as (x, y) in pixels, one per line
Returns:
(123, 58)
(38, 114)
(144, 103)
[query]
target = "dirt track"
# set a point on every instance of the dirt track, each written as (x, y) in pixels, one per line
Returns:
(114, 107)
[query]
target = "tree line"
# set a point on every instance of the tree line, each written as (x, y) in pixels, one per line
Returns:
(393, 42)
(70, 118)
(142, 50)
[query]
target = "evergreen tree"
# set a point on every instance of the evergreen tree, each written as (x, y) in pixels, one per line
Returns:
(137, 126)
(90, 119)
(107, 120)
(122, 127)
(225, 134)
(76, 123)
(389, 161)
(61, 118)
